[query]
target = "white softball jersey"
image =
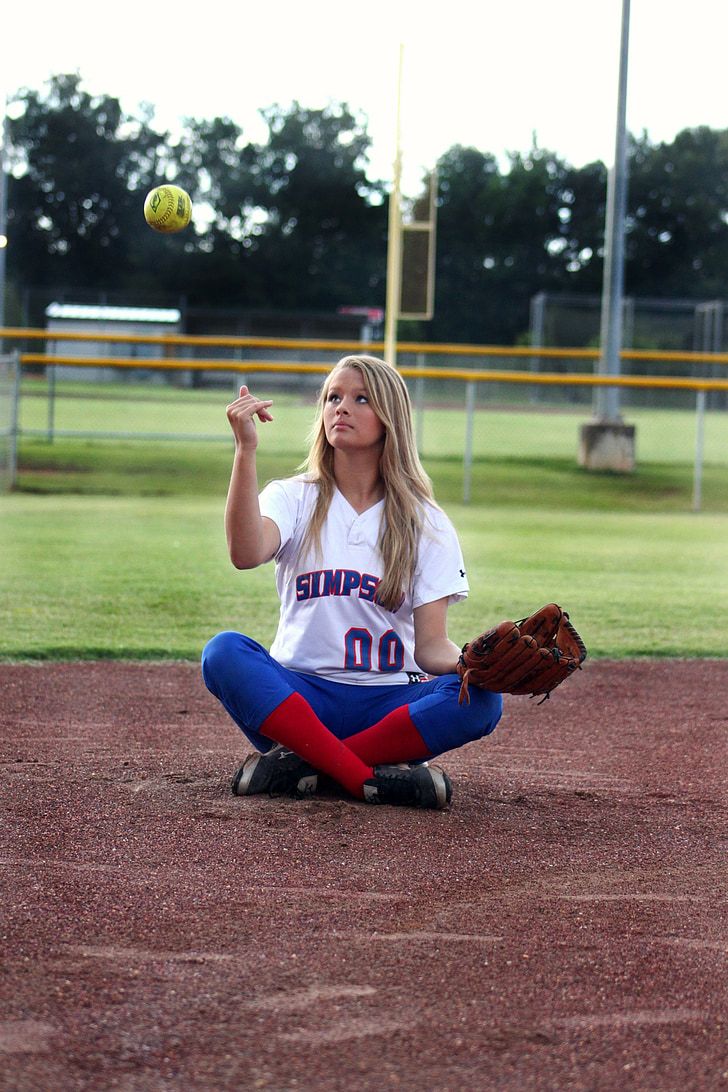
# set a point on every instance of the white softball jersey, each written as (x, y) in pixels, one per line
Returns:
(330, 623)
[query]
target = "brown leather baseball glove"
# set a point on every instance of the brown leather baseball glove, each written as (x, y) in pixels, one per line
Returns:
(528, 657)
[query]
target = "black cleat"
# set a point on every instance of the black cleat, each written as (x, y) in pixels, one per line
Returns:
(279, 772)
(414, 786)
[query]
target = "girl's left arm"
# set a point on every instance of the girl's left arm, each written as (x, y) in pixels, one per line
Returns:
(435, 653)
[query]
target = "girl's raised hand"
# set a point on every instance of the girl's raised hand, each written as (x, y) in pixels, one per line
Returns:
(241, 414)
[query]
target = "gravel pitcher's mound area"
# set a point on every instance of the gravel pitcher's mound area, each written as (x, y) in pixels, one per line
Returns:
(562, 926)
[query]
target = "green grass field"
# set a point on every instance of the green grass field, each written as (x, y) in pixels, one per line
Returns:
(141, 577)
(116, 548)
(663, 436)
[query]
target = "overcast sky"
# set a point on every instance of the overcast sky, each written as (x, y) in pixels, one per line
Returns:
(486, 74)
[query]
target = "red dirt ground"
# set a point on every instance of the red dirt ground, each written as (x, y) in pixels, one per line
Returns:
(562, 926)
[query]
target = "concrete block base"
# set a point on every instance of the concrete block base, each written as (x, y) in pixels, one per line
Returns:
(607, 445)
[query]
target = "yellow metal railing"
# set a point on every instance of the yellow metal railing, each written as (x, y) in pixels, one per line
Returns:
(467, 375)
(666, 356)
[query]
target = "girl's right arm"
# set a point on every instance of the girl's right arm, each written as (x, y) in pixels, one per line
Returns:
(252, 539)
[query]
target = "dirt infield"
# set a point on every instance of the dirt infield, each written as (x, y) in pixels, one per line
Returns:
(562, 926)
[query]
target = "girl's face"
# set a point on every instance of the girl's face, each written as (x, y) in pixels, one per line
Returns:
(350, 423)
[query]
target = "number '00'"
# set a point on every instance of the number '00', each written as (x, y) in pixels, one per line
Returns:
(358, 644)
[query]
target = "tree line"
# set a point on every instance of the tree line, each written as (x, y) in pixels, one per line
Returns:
(295, 223)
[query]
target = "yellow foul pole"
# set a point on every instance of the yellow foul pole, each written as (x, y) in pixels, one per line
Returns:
(394, 239)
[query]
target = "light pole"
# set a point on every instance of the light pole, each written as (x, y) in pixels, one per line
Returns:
(605, 442)
(394, 237)
(3, 213)
(606, 399)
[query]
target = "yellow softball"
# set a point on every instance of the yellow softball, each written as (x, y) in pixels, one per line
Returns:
(167, 208)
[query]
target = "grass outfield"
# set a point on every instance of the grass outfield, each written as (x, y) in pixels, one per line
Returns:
(519, 457)
(512, 479)
(141, 577)
(116, 548)
(663, 436)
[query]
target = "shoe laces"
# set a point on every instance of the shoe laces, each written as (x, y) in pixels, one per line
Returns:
(399, 781)
(286, 770)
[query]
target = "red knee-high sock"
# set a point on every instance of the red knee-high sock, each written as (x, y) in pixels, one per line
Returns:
(392, 739)
(295, 725)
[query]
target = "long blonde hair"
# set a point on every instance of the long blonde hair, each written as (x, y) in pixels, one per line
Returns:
(406, 485)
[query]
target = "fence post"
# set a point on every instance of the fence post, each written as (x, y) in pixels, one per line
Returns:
(538, 315)
(14, 421)
(468, 455)
(420, 405)
(240, 379)
(699, 437)
(51, 427)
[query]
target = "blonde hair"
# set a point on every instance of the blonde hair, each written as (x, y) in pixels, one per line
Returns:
(406, 485)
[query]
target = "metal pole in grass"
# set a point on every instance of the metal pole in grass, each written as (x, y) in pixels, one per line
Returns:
(606, 442)
(394, 236)
(3, 211)
(468, 455)
(606, 399)
(699, 437)
(15, 420)
(419, 405)
(51, 429)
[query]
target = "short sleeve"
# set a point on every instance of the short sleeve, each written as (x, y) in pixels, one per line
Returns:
(278, 501)
(440, 568)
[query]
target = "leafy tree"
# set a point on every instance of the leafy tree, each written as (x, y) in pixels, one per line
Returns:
(583, 211)
(213, 162)
(677, 238)
(323, 241)
(499, 241)
(78, 164)
(469, 191)
(294, 223)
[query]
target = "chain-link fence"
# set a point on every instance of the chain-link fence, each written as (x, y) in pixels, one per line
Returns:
(95, 379)
(450, 411)
(671, 326)
(9, 400)
(180, 391)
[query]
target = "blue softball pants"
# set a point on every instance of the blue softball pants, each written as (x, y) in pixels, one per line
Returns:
(250, 684)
